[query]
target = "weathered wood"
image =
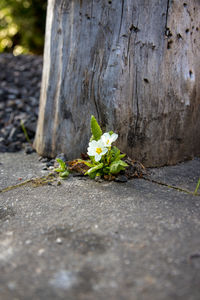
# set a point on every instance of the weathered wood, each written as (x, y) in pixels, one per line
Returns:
(135, 65)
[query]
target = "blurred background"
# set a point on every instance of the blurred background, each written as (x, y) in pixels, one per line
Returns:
(22, 26)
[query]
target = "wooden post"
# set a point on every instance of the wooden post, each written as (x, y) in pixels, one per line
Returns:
(135, 65)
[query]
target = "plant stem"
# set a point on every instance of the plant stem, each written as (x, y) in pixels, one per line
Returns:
(25, 132)
(197, 187)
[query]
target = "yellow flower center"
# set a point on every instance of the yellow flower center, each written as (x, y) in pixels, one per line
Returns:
(98, 150)
(107, 142)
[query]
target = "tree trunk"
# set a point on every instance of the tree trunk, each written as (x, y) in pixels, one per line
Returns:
(135, 65)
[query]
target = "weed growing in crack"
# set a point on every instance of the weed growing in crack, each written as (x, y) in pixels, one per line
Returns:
(103, 159)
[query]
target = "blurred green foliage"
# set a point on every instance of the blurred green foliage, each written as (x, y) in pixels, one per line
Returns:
(22, 26)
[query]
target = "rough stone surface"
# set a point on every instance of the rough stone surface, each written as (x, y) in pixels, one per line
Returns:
(90, 240)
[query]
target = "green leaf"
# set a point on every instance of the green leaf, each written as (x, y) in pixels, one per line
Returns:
(64, 174)
(123, 163)
(106, 170)
(62, 168)
(92, 138)
(94, 169)
(122, 156)
(58, 170)
(117, 166)
(86, 162)
(115, 153)
(111, 132)
(95, 129)
(98, 174)
(92, 175)
(61, 163)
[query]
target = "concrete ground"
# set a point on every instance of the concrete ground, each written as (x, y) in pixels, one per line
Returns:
(87, 240)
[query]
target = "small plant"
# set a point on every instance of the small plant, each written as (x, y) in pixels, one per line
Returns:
(25, 132)
(197, 187)
(62, 170)
(105, 159)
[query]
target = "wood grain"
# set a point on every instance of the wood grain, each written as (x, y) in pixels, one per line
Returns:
(135, 65)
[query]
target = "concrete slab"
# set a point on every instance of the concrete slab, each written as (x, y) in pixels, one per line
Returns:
(18, 167)
(184, 175)
(88, 240)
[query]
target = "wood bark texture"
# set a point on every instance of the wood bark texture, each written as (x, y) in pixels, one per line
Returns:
(135, 65)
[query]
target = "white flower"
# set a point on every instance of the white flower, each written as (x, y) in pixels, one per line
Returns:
(108, 138)
(97, 149)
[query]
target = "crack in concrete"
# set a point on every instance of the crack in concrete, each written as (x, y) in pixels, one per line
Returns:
(38, 181)
(177, 188)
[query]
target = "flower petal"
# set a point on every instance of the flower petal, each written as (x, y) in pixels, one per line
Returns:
(113, 137)
(104, 150)
(93, 143)
(91, 152)
(106, 139)
(106, 135)
(97, 157)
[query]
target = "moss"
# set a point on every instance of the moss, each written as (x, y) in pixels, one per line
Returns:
(35, 182)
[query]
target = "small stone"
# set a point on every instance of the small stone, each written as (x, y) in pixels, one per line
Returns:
(59, 241)
(76, 174)
(3, 148)
(9, 233)
(29, 149)
(98, 179)
(49, 164)
(195, 255)
(11, 103)
(121, 178)
(28, 242)
(13, 91)
(30, 125)
(13, 134)
(41, 251)
(20, 105)
(44, 159)
(8, 110)
(21, 136)
(11, 97)
(14, 147)
(38, 271)
(12, 285)
(2, 105)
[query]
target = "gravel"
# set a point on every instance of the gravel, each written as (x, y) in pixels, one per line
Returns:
(20, 80)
